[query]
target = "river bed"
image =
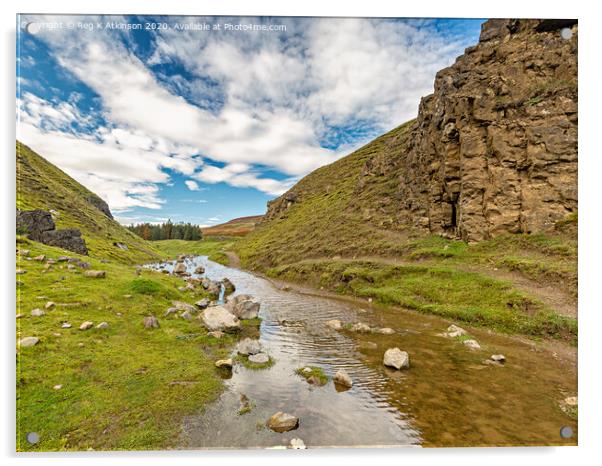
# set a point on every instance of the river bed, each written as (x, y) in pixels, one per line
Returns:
(449, 396)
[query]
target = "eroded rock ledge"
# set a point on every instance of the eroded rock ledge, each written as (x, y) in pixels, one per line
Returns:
(39, 226)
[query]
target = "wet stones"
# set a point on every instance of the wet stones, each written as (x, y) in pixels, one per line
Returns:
(385, 331)
(396, 359)
(282, 422)
(453, 331)
(228, 286)
(199, 270)
(360, 327)
(343, 379)
(224, 363)
(243, 306)
(334, 324)
(179, 269)
(150, 322)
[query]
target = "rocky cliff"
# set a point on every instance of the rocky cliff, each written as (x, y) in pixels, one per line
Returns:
(493, 149)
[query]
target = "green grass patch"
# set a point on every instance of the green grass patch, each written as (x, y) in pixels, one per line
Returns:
(124, 387)
(444, 291)
(244, 360)
(316, 372)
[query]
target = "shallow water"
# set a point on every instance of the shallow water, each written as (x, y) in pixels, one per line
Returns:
(449, 397)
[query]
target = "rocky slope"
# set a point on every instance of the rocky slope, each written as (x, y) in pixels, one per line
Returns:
(69, 213)
(492, 151)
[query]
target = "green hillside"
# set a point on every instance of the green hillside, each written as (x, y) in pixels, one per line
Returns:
(342, 232)
(41, 185)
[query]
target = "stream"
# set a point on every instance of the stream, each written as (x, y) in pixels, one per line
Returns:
(449, 396)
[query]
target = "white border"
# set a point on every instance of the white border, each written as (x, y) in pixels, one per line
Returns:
(590, 172)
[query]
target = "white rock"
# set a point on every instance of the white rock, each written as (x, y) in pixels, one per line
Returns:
(57, 387)
(472, 344)
(218, 318)
(360, 327)
(571, 401)
(455, 331)
(297, 444)
(342, 378)
(29, 341)
(385, 331)
(334, 324)
(259, 358)
(66, 325)
(86, 325)
(37, 313)
(102, 325)
(396, 358)
(49, 305)
(498, 358)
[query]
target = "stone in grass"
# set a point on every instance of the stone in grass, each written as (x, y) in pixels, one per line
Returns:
(102, 326)
(259, 358)
(150, 322)
(472, 344)
(499, 358)
(186, 315)
(454, 331)
(170, 311)
(95, 273)
(29, 341)
(224, 363)
(57, 387)
(202, 304)
(20, 271)
(396, 358)
(282, 422)
(66, 325)
(343, 379)
(49, 305)
(218, 318)
(86, 325)
(37, 313)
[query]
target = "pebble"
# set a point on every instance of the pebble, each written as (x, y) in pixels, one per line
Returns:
(37, 313)
(66, 325)
(58, 387)
(297, 444)
(29, 341)
(102, 325)
(86, 325)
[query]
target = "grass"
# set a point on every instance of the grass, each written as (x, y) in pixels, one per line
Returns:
(213, 247)
(254, 366)
(123, 387)
(445, 291)
(316, 372)
(41, 185)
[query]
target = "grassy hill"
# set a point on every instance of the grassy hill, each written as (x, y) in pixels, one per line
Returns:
(235, 227)
(41, 185)
(340, 230)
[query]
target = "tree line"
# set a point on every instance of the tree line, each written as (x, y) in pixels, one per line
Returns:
(167, 230)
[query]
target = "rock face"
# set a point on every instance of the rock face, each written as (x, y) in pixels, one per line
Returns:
(494, 148)
(100, 205)
(397, 359)
(282, 422)
(39, 226)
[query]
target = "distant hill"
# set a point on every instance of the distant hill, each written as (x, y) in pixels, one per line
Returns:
(41, 185)
(236, 227)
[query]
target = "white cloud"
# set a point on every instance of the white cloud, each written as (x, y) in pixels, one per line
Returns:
(281, 93)
(192, 185)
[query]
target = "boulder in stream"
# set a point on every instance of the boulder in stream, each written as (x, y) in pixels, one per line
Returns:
(259, 358)
(248, 346)
(342, 378)
(218, 318)
(243, 306)
(396, 358)
(180, 268)
(282, 422)
(334, 324)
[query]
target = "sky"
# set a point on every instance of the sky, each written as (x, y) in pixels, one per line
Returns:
(205, 119)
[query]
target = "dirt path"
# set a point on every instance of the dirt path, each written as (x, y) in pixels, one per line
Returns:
(233, 259)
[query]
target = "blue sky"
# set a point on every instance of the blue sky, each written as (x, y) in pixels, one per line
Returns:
(208, 125)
